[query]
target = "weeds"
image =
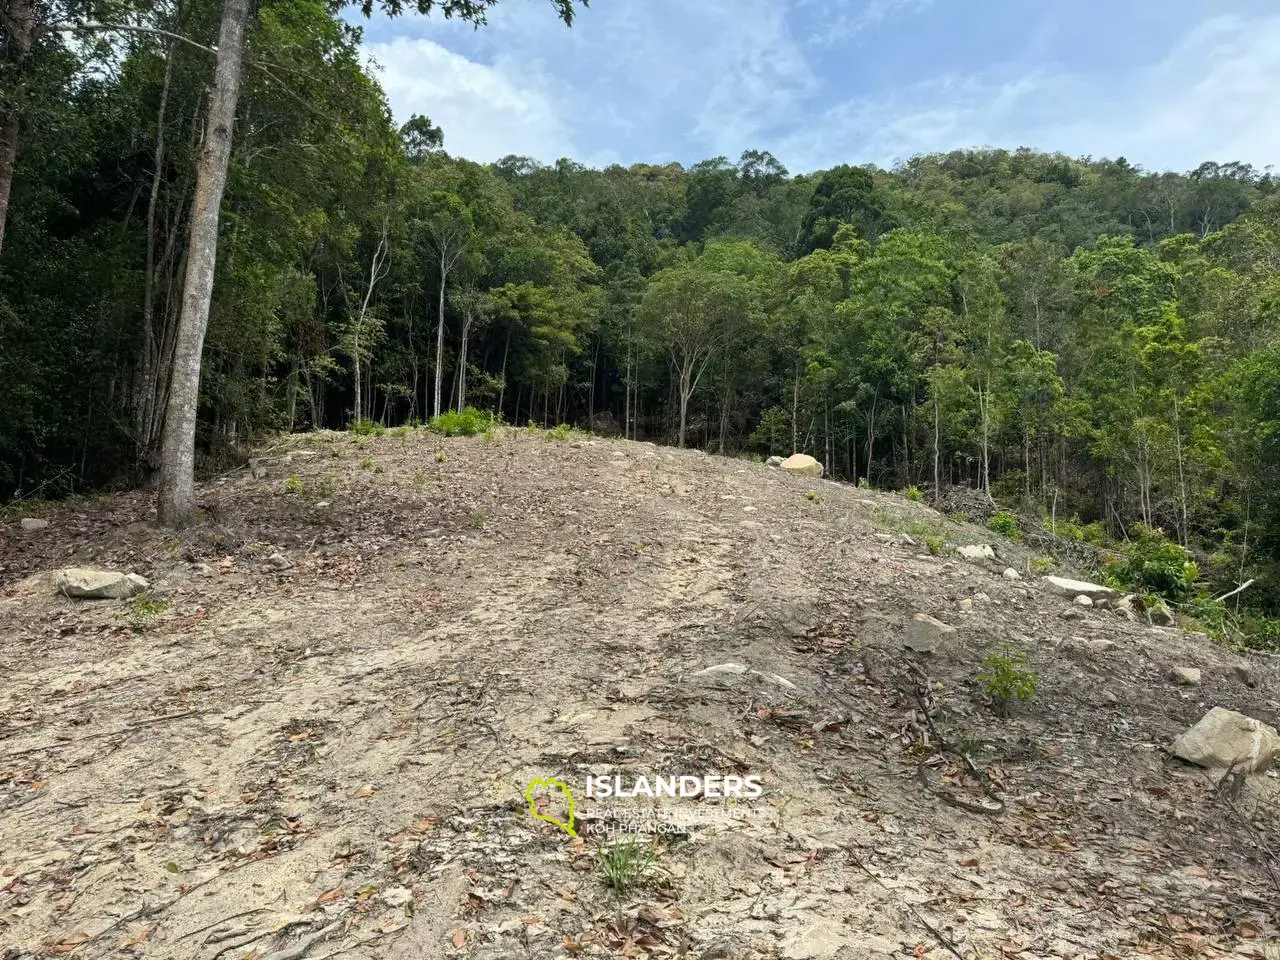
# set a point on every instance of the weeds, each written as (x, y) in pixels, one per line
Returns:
(936, 545)
(813, 497)
(1043, 565)
(913, 494)
(476, 519)
(626, 866)
(367, 463)
(367, 428)
(560, 432)
(142, 610)
(420, 476)
(469, 422)
(1005, 524)
(293, 484)
(1006, 678)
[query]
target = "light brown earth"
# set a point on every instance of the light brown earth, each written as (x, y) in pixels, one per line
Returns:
(330, 759)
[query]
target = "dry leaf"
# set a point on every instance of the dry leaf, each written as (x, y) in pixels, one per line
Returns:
(337, 893)
(460, 938)
(366, 791)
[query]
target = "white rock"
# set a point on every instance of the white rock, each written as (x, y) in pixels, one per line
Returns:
(966, 604)
(773, 462)
(977, 551)
(1224, 738)
(1011, 574)
(396, 896)
(924, 634)
(1100, 645)
(1065, 587)
(31, 524)
(88, 584)
(802, 463)
(1161, 615)
(722, 669)
(1187, 676)
(1083, 601)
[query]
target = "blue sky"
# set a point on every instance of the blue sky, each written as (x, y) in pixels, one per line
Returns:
(1165, 83)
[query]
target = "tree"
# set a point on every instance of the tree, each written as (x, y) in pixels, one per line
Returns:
(421, 138)
(177, 471)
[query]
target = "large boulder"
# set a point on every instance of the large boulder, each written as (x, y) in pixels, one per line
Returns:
(1065, 587)
(32, 524)
(88, 584)
(1224, 739)
(803, 464)
(977, 552)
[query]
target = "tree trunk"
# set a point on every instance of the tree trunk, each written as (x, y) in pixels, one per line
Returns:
(462, 362)
(444, 274)
(178, 447)
(686, 375)
(20, 24)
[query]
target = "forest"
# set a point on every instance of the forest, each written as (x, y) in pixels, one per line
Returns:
(1079, 340)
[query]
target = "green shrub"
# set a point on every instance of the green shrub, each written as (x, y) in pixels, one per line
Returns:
(913, 494)
(367, 428)
(626, 865)
(1006, 678)
(293, 484)
(813, 497)
(1154, 564)
(1005, 524)
(560, 432)
(469, 423)
(1043, 565)
(935, 544)
(367, 463)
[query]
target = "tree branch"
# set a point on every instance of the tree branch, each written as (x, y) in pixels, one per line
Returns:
(130, 28)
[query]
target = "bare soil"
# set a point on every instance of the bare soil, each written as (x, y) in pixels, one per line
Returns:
(320, 747)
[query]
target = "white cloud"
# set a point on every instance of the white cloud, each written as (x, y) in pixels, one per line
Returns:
(847, 20)
(484, 110)
(1211, 97)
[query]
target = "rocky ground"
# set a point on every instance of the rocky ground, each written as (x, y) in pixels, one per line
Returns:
(313, 736)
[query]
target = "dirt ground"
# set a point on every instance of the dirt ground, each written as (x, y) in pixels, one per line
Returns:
(314, 739)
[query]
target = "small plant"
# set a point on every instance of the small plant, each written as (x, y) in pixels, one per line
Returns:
(367, 428)
(1043, 565)
(1005, 524)
(935, 544)
(440, 457)
(559, 433)
(1154, 564)
(142, 610)
(420, 476)
(400, 433)
(626, 865)
(913, 494)
(476, 519)
(367, 463)
(293, 484)
(469, 423)
(971, 745)
(960, 517)
(1006, 678)
(813, 497)
(864, 483)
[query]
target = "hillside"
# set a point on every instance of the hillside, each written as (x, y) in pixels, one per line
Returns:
(321, 745)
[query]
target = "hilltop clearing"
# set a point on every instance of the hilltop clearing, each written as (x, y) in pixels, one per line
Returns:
(314, 735)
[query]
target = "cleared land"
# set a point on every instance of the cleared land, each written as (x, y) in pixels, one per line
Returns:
(320, 745)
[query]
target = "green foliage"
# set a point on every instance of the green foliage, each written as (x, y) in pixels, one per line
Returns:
(1043, 565)
(914, 494)
(469, 423)
(1005, 524)
(937, 545)
(367, 463)
(1153, 564)
(627, 865)
(1006, 678)
(293, 484)
(561, 432)
(367, 428)
(476, 519)
(813, 497)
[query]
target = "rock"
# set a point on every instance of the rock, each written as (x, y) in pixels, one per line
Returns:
(1127, 607)
(279, 561)
(924, 634)
(1100, 646)
(966, 604)
(32, 524)
(723, 669)
(204, 569)
(1071, 613)
(88, 584)
(978, 551)
(1160, 614)
(1244, 674)
(1068, 588)
(1224, 739)
(257, 469)
(1109, 697)
(773, 462)
(396, 896)
(906, 541)
(323, 505)
(1083, 601)
(1187, 676)
(802, 463)
(1011, 574)
(1103, 604)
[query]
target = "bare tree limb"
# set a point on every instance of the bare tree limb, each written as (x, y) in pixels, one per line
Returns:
(129, 28)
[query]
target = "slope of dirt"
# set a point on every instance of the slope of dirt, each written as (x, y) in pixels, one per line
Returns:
(322, 746)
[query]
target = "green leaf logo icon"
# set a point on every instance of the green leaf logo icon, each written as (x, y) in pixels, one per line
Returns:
(550, 783)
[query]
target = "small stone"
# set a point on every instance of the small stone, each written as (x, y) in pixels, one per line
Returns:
(773, 462)
(1244, 674)
(924, 634)
(1187, 676)
(1071, 613)
(723, 669)
(906, 541)
(323, 505)
(204, 569)
(1160, 614)
(1100, 645)
(1109, 696)
(1011, 574)
(982, 598)
(32, 524)
(279, 561)
(396, 896)
(1103, 604)
(977, 552)
(966, 604)
(1083, 601)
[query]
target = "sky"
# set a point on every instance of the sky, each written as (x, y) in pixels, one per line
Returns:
(1166, 84)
